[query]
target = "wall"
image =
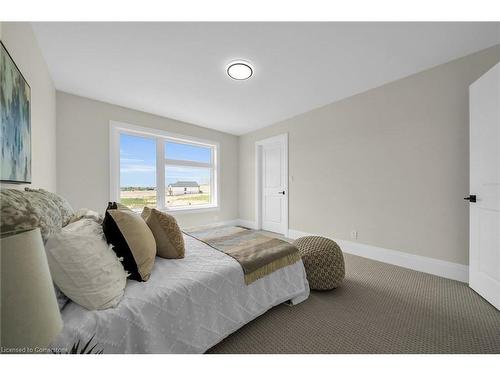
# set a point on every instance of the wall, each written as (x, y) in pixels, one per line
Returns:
(20, 41)
(391, 163)
(83, 155)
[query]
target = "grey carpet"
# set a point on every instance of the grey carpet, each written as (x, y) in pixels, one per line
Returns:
(380, 308)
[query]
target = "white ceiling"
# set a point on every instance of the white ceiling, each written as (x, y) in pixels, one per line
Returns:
(177, 70)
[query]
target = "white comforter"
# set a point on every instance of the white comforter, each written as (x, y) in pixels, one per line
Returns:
(187, 306)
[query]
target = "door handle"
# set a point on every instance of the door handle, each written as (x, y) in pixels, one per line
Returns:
(471, 198)
(281, 192)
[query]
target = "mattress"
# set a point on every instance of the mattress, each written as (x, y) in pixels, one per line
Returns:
(187, 306)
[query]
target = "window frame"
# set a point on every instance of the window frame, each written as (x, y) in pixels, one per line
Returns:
(161, 137)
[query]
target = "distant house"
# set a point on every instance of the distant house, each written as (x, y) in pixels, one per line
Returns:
(184, 187)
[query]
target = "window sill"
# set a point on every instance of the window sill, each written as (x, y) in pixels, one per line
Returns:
(183, 210)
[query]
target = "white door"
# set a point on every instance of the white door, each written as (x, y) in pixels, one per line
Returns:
(274, 184)
(484, 252)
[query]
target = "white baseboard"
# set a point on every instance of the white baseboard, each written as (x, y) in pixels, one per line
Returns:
(294, 234)
(433, 266)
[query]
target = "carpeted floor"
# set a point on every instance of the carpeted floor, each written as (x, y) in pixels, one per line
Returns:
(380, 308)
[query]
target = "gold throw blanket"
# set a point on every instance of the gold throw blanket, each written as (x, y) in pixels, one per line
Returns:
(258, 254)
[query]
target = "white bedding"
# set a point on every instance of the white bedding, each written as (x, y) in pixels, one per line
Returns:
(187, 306)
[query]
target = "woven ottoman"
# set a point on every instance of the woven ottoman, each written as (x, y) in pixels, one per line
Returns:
(323, 261)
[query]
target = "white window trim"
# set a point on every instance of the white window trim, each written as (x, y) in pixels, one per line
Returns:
(116, 128)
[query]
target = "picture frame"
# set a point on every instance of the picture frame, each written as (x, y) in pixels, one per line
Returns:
(15, 122)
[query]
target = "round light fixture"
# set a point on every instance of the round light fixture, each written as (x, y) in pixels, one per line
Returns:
(239, 70)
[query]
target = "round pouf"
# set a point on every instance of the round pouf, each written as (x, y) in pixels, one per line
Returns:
(323, 261)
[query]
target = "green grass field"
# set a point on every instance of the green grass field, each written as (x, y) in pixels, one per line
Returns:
(201, 197)
(138, 202)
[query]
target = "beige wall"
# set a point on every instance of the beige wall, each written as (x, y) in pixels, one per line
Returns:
(391, 163)
(20, 41)
(83, 155)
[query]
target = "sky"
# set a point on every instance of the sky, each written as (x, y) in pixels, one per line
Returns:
(138, 162)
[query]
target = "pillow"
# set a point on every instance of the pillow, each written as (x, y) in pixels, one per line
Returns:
(84, 213)
(132, 240)
(167, 234)
(82, 227)
(84, 267)
(117, 206)
(25, 210)
(120, 206)
(62, 204)
(62, 300)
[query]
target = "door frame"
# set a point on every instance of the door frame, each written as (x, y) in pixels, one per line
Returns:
(258, 179)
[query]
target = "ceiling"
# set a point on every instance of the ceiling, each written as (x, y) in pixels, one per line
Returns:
(177, 70)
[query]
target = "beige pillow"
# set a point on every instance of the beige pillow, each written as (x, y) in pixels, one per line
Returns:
(132, 240)
(168, 236)
(84, 267)
(120, 206)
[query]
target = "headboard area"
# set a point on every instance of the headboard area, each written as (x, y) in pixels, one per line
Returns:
(31, 208)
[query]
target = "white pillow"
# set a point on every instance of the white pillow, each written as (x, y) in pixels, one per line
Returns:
(84, 267)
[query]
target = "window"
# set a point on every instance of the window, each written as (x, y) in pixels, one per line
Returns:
(137, 171)
(157, 169)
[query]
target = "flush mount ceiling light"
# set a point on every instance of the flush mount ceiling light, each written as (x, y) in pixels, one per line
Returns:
(239, 70)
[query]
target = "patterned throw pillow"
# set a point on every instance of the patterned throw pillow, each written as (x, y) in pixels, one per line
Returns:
(132, 240)
(168, 236)
(16, 211)
(25, 210)
(63, 205)
(83, 266)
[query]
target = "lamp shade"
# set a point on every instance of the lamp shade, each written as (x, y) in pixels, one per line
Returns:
(30, 317)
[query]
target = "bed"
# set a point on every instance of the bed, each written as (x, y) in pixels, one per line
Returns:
(187, 306)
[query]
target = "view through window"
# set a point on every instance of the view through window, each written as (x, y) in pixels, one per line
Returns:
(137, 171)
(189, 173)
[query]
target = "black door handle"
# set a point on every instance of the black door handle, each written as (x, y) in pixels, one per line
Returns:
(281, 192)
(471, 198)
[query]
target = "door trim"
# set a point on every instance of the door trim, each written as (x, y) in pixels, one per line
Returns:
(258, 179)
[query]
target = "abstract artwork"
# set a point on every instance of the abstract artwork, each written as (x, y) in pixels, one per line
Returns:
(15, 122)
